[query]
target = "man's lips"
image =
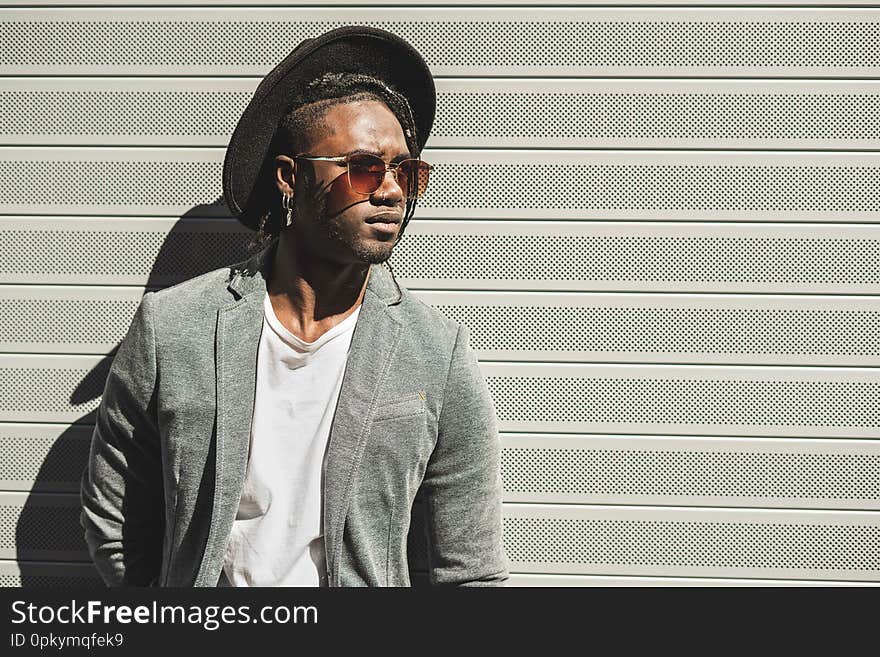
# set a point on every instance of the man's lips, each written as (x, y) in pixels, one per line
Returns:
(387, 223)
(386, 218)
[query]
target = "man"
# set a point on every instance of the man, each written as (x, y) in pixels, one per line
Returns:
(274, 422)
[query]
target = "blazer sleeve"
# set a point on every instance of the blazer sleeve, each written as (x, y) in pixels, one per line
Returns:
(462, 486)
(121, 489)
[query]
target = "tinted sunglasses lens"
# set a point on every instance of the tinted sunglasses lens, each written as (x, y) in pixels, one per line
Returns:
(365, 173)
(412, 176)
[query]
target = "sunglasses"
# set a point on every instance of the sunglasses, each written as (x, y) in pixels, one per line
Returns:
(367, 172)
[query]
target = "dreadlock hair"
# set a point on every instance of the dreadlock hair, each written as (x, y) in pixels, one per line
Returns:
(306, 112)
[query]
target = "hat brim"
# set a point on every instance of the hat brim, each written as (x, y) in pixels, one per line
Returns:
(247, 180)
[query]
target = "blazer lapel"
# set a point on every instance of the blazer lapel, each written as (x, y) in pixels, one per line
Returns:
(373, 344)
(239, 325)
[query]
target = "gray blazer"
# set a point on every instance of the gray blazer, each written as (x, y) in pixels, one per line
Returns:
(170, 446)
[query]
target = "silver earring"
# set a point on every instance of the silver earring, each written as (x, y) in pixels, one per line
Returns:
(287, 204)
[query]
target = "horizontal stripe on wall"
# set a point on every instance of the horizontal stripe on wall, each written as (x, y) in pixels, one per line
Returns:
(515, 326)
(598, 540)
(531, 579)
(45, 458)
(499, 255)
(692, 471)
(513, 41)
(33, 574)
(41, 526)
(469, 184)
(692, 542)
(574, 469)
(539, 326)
(470, 112)
(655, 399)
(686, 399)
(43, 574)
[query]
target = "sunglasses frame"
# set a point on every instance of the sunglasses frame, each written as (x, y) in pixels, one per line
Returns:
(345, 160)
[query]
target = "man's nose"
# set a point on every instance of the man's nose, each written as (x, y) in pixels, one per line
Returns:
(390, 189)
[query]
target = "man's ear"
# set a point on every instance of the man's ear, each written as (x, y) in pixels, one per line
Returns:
(285, 178)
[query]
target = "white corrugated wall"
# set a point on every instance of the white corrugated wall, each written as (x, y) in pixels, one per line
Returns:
(659, 221)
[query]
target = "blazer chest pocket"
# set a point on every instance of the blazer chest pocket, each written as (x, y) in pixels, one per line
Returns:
(409, 406)
(400, 444)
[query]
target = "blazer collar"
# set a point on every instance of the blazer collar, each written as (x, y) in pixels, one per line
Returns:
(250, 276)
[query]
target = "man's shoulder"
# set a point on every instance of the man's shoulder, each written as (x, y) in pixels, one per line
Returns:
(414, 307)
(420, 318)
(204, 293)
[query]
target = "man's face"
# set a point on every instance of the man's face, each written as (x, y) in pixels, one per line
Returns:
(338, 223)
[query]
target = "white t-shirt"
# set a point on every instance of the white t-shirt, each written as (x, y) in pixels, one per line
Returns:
(277, 537)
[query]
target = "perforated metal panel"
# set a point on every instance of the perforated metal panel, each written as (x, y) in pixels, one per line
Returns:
(65, 319)
(51, 388)
(601, 540)
(656, 185)
(561, 184)
(465, 254)
(122, 110)
(117, 250)
(626, 203)
(666, 328)
(707, 471)
(527, 326)
(43, 574)
(513, 41)
(691, 542)
(484, 112)
(49, 458)
(562, 397)
(692, 400)
(41, 526)
(104, 181)
(639, 113)
(696, 542)
(640, 256)
(526, 580)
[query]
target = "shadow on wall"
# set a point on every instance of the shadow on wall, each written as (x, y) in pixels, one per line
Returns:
(53, 534)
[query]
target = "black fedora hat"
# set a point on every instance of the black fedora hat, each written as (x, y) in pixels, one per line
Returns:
(247, 179)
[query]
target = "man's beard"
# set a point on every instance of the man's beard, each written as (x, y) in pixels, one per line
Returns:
(373, 252)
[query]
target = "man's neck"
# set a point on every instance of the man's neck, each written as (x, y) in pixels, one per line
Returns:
(310, 295)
